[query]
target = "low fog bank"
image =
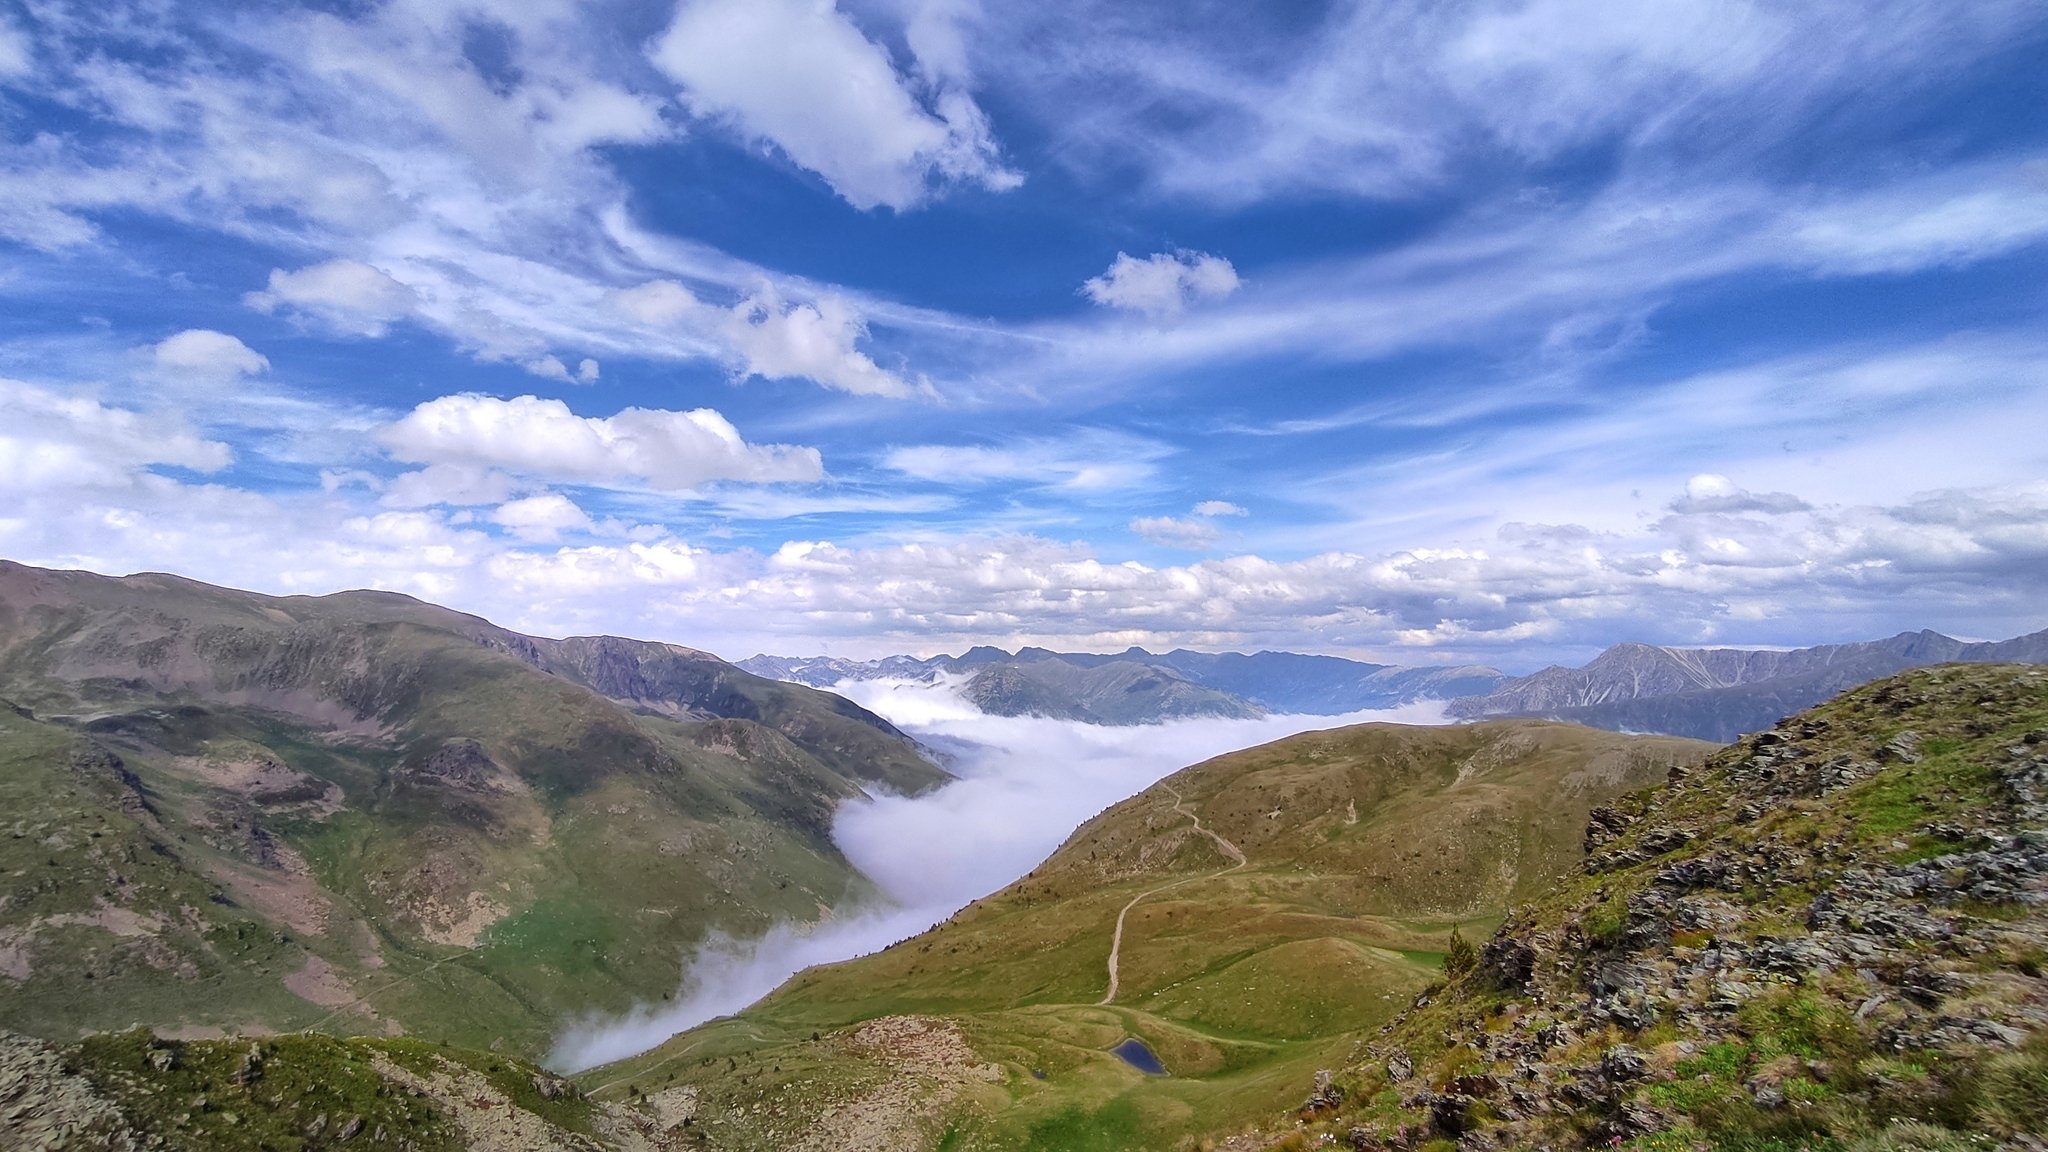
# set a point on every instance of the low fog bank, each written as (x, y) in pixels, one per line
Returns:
(1024, 785)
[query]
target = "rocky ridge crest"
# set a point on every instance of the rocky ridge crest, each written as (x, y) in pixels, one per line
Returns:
(1834, 935)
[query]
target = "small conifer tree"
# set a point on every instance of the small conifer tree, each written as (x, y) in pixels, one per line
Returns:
(1459, 957)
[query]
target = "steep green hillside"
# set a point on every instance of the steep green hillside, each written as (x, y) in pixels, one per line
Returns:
(1275, 905)
(365, 813)
(1833, 937)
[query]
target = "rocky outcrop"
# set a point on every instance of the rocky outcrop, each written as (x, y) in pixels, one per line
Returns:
(131, 1092)
(44, 1105)
(1838, 923)
(460, 764)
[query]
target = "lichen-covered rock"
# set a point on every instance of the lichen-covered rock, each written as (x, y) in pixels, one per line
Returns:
(1506, 963)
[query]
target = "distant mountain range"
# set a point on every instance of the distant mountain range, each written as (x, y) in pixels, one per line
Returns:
(1714, 694)
(1138, 687)
(1721, 694)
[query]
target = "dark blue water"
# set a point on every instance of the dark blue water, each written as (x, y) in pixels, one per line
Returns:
(1134, 1053)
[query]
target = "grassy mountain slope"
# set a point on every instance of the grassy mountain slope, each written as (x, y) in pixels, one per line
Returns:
(1361, 848)
(365, 813)
(1833, 937)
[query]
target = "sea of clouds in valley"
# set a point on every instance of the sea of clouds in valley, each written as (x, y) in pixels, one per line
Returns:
(1024, 784)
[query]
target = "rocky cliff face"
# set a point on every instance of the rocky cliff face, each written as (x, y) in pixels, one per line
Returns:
(1833, 936)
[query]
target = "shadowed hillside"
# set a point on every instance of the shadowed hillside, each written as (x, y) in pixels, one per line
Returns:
(361, 812)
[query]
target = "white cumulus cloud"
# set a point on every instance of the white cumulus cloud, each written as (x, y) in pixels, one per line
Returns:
(53, 442)
(815, 341)
(204, 354)
(346, 295)
(1176, 532)
(460, 485)
(1711, 492)
(552, 368)
(801, 75)
(541, 518)
(541, 437)
(1196, 533)
(1162, 284)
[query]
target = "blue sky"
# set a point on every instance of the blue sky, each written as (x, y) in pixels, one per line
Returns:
(1415, 331)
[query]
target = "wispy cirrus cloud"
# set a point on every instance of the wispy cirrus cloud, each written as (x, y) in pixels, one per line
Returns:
(1391, 99)
(1509, 280)
(477, 203)
(1079, 460)
(474, 205)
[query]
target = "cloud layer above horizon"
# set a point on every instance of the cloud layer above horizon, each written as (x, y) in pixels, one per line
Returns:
(1498, 330)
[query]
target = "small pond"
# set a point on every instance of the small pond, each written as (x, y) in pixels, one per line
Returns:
(1134, 1052)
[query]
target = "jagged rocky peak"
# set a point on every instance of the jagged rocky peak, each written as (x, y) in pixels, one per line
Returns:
(1832, 935)
(1721, 694)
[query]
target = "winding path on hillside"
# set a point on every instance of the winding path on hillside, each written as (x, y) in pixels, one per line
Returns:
(1116, 940)
(363, 1001)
